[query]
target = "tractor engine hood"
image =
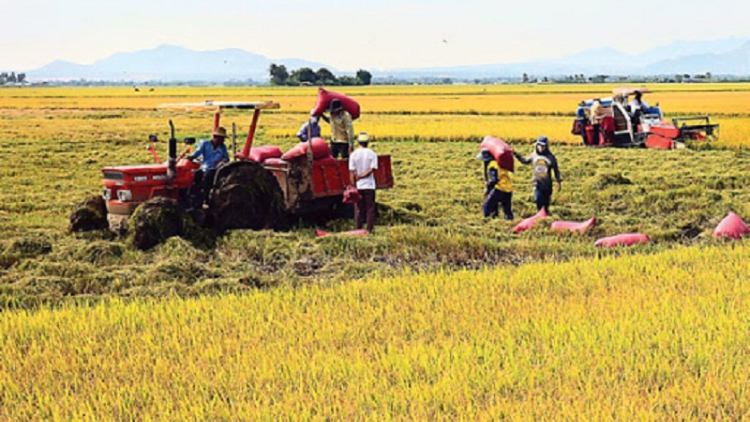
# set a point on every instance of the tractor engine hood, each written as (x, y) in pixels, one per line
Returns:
(147, 173)
(142, 182)
(136, 173)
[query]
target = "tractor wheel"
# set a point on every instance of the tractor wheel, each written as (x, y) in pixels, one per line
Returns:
(89, 214)
(154, 221)
(245, 196)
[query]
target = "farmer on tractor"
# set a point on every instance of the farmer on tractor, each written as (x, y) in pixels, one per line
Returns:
(214, 154)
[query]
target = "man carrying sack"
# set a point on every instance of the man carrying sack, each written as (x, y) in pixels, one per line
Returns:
(342, 131)
(362, 165)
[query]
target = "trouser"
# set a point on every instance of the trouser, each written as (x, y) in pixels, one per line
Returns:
(339, 148)
(595, 133)
(496, 197)
(364, 209)
(203, 181)
(584, 136)
(542, 198)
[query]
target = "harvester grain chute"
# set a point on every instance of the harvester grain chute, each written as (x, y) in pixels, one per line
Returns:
(257, 190)
(622, 126)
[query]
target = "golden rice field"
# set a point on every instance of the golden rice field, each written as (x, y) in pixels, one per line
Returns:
(415, 112)
(659, 337)
(439, 315)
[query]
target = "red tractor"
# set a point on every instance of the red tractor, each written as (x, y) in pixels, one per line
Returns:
(623, 126)
(252, 191)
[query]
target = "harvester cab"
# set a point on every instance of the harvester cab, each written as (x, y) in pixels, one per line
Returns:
(622, 124)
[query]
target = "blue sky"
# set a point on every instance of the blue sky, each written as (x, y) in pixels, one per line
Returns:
(354, 34)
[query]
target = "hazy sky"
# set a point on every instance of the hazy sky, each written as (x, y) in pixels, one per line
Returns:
(351, 34)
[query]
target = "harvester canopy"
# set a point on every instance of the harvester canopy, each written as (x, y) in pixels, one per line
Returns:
(627, 91)
(215, 106)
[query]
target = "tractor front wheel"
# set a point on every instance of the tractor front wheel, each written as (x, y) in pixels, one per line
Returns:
(155, 221)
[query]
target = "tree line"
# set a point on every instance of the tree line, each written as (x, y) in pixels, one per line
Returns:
(12, 78)
(306, 76)
(599, 79)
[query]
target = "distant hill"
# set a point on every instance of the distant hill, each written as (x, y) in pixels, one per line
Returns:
(729, 56)
(171, 63)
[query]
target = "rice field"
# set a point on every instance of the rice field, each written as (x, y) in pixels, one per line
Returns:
(441, 314)
(644, 337)
(436, 113)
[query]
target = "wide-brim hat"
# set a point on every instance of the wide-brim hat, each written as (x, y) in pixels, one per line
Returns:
(220, 131)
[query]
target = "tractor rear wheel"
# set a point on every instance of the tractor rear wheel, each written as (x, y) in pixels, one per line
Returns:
(245, 196)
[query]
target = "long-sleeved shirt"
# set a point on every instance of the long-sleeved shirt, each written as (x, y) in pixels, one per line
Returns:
(543, 166)
(496, 177)
(597, 112)
(314, 129)
(211, 156)
(636, 104)
(342, 130)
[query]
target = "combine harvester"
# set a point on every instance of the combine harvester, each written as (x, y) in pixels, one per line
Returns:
(621, 128)
(259, 187)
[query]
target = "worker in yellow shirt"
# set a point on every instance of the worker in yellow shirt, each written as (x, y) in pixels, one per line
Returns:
(499, 187)
(342, 131)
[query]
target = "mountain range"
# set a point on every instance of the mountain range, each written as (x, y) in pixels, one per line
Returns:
(728, 56)
(169, 63)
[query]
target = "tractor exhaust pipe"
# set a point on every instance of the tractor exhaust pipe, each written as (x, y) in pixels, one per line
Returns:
(172, 163)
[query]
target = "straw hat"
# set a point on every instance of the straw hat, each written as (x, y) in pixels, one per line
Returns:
(363, 138)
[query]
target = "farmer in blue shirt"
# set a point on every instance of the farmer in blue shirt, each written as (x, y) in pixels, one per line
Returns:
(311, 127)
(214, 154)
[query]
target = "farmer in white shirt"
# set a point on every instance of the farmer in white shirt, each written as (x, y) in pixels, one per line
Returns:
(362, 165)
(638, 107)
